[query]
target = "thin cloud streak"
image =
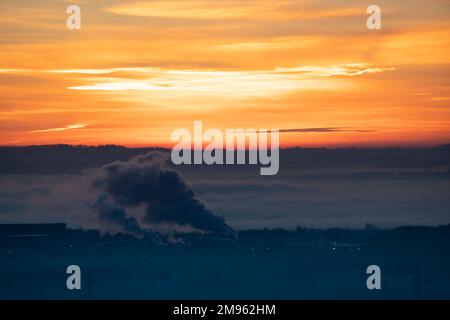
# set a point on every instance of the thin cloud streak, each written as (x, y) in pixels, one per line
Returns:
(323, 130)
(68, 127)
(231, 10)
(349, 70)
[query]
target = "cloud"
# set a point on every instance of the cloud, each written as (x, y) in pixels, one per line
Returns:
(205, 187)
(117, 86)
(323, 130)
(12, 70)
(209, 82)
(351, 70)
(231, 84)
(68, 127)
(236, 84)
(231, 10)
(102, 70)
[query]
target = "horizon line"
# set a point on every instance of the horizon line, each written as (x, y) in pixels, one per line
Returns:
(399, 146)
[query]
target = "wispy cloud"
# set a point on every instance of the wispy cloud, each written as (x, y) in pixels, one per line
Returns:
(103, 70)
(323, 130)
(117, 86)
(68, 127)
(222, 10)
(230, 83)
(351, 70)
(236, 84)
(12, 70)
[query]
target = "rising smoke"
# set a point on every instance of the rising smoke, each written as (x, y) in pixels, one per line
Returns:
(166, 197)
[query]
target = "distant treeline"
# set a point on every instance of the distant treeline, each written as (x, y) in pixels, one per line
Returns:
(67, 159)
(409, 237)
(59, 159)
(406, 238)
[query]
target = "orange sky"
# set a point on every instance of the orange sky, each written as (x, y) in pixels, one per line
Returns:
(136, 71)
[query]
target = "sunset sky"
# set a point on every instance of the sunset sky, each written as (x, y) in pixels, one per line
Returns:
(136, 71)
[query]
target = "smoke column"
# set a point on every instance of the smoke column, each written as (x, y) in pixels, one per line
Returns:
(146, 181)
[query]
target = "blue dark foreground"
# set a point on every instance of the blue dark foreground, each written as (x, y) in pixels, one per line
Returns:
(257, 264)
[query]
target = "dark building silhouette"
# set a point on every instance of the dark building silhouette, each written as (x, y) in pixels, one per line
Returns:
(33, 229)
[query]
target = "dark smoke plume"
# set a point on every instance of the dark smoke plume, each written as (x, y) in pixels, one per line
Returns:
(109, 213)
(146, 181)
